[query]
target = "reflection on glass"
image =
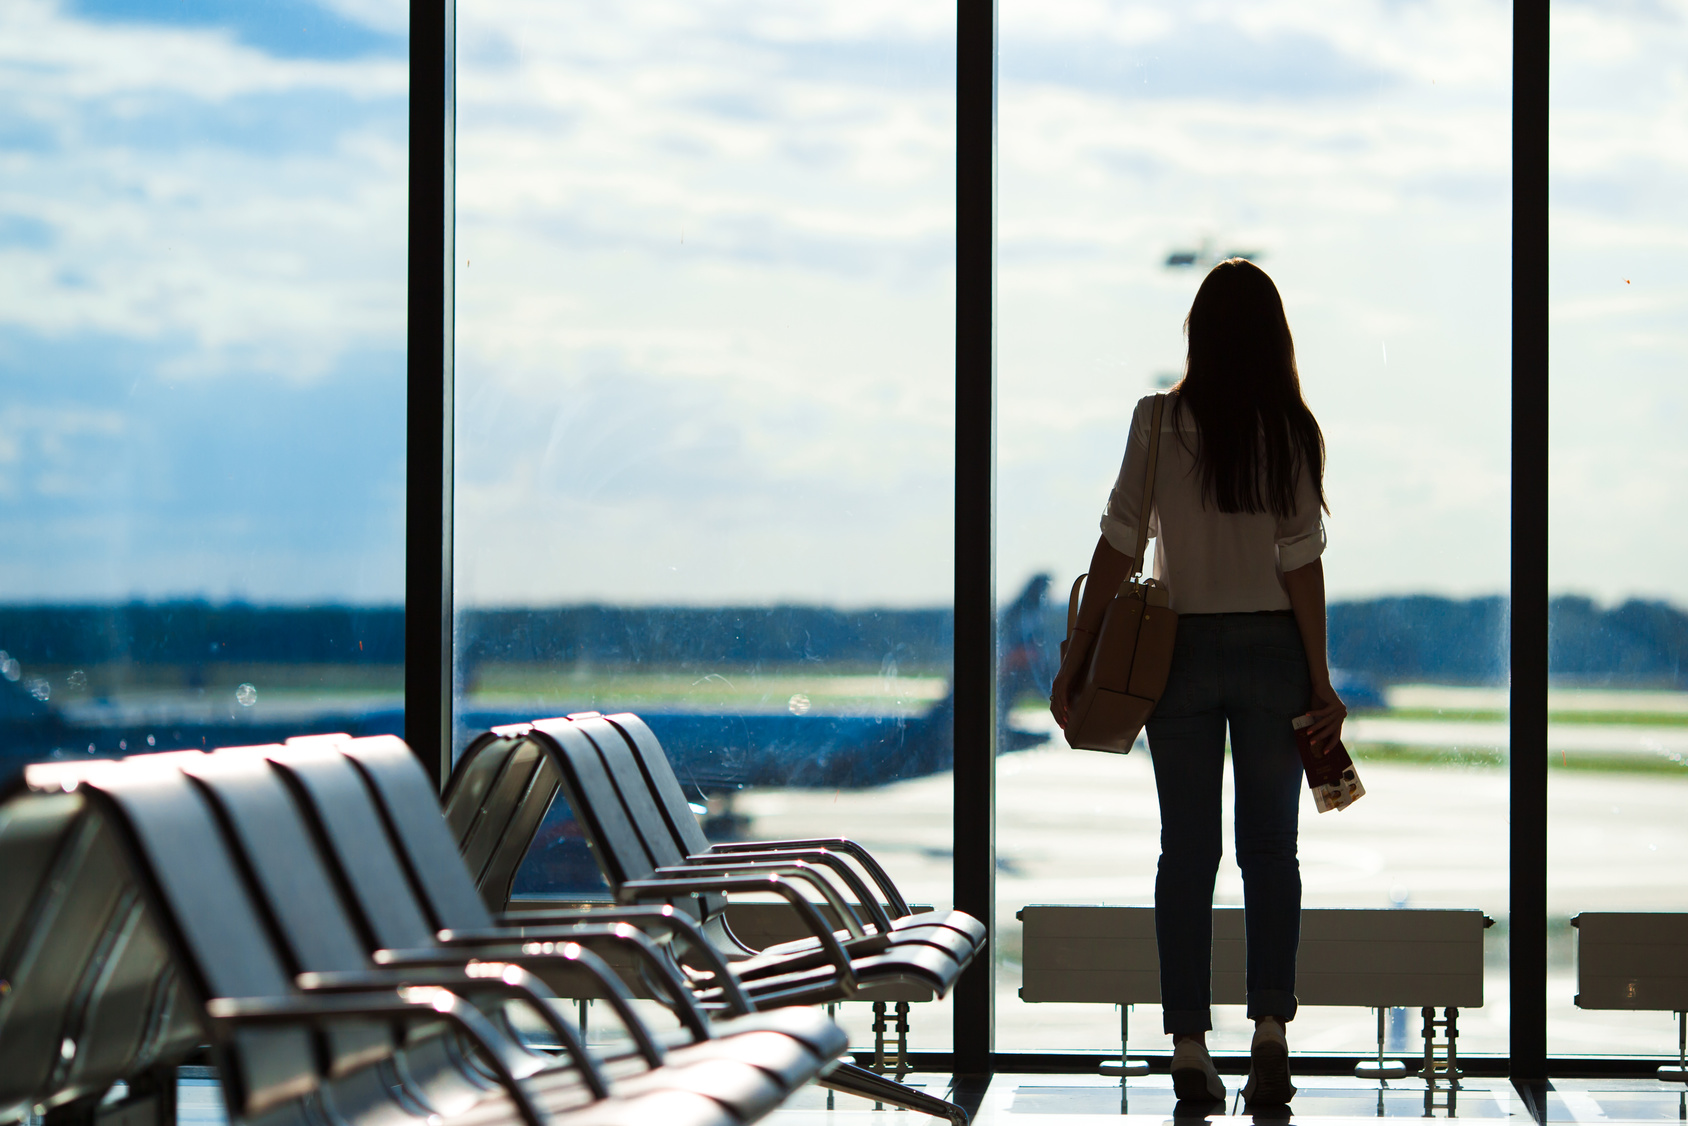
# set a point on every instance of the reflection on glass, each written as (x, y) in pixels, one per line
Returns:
(1361, 157)
(1618, 702)
(705, 408)
(202, 241)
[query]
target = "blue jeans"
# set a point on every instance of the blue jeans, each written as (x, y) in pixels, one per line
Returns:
(1248, 671)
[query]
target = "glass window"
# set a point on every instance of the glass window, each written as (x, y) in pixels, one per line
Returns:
(1363, 162)
(202, 259)
(1618, 701)
(704, 433)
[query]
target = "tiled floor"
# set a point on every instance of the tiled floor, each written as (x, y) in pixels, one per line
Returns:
(1059, 1100)
(1056, 1100)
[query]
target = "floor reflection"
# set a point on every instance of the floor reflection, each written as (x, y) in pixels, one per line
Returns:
(1015, 1100)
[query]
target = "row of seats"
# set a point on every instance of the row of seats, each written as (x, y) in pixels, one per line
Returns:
(622, 790)
(649, 845)
(303, 915)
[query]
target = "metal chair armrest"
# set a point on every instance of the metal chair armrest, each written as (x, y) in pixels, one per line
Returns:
(416, 1003)
(893, 898)
(796, 869)
(877, 915)
(635, 890)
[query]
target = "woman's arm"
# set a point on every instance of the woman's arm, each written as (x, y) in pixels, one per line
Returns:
(1108, 569)
(1306, 587)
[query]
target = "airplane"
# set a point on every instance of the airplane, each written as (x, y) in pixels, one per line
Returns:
(1205, 256)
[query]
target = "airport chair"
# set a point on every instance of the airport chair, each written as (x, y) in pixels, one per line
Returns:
(477, 810)
(682, 843)
(494, 803)
(444, 889)
(258, 808)
(637, 877)
(405, 881)
(447, 897)
(705, 901)
(180, 848)
(748, 1066)
(660, 845)
(223, 947)
(499, 806)
(652, 794)
(674, 840)
(353, 829)
(820, 970)
(404, 791)
(88, 998)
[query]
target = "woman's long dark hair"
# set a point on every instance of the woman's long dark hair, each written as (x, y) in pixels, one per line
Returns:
(1254, 433)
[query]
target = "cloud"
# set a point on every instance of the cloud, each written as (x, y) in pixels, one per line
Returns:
(705, 280)
(115, 481)
(202, 247)
(333, 29)
(198, 188)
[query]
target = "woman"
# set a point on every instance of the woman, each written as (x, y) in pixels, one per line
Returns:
(1236, 520)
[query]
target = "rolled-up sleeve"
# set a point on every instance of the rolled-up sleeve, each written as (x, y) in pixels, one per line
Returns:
(1301, 535)
(1120, 518)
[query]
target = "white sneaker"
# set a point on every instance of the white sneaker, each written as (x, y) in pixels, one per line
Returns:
(1268, 1066)
(1194, 1078)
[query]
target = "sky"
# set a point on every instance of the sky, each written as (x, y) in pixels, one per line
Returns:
(705, 277)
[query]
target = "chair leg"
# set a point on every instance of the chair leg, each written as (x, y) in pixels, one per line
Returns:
(1382, 1068)
(831, 1014)
(1679, 1073)
(854, 1080)
(1126, 1065)
(903, 1067)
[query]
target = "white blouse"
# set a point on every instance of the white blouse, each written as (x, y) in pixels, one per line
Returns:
(1211, 562)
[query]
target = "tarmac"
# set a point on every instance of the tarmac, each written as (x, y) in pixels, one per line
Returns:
(1080, 827)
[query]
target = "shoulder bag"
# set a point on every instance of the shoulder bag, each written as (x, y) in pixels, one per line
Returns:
(1120, 682)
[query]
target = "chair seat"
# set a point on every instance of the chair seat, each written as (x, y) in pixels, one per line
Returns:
(659, 1108)
(653, 1108)
(923, 965)
(957, 944)
(808, 1027)
(741, 1087)
(959, 921)
(788, 1062)
(923, 957)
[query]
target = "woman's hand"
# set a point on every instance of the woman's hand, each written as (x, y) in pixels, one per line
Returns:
(1328, 712)
(1058, 703)
(1060, 693)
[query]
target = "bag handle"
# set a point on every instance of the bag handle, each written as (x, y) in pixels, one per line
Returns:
(1072, 603)
(1142, 515)
(1148, 487)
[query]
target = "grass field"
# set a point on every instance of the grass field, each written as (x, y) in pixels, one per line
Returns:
(747, 689)
(1636, 718)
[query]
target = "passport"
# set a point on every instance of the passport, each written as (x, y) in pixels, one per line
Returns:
(1330, 771)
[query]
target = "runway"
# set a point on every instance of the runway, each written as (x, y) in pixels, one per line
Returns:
(1078, 827)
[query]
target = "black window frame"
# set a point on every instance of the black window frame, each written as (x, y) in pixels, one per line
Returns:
(428, 536)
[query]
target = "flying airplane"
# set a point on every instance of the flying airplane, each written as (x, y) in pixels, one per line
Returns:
(1205, 256)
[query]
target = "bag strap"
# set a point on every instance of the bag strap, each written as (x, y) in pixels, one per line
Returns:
(1142, 515)
(1148, 486)
(1072, 605)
